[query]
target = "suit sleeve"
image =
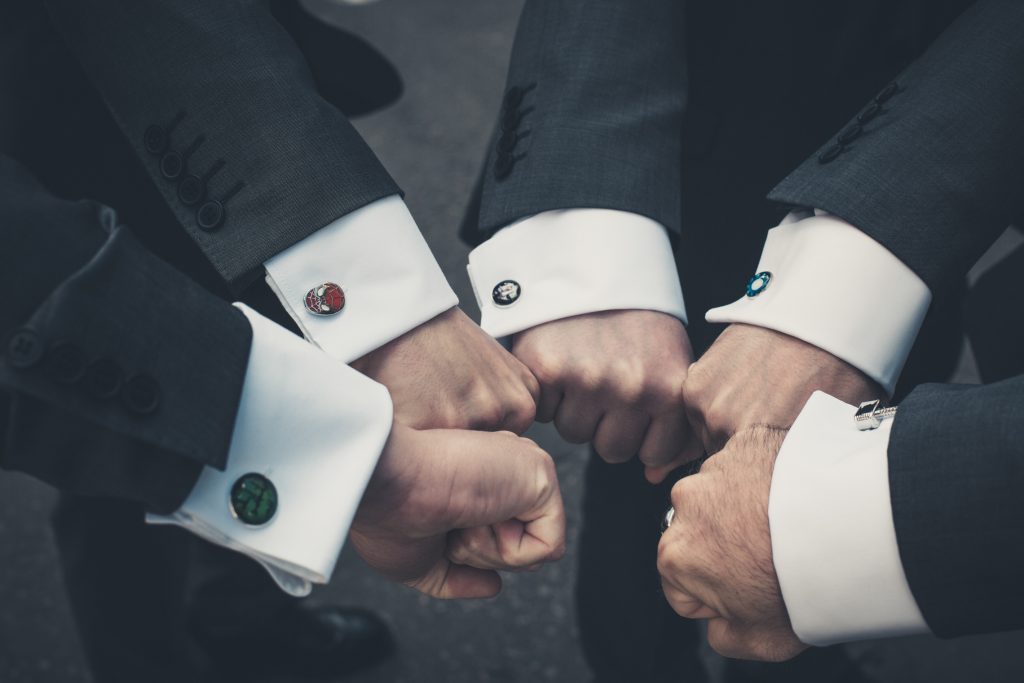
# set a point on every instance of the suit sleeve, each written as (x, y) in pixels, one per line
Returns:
(221, 108)
(932, 168)
(123, 376)
(592, 114)
(956, 473)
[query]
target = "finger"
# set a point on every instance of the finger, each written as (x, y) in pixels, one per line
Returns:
(548, 402)
(447, 581)
(684, 604)
(692, 451)
(506, 546)
(669, 438)
(619, 434)
(498, 478)
(726, 640)
(532, 537)
(577, 417)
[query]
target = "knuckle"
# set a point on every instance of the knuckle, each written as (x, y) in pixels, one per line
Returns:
(696, 385)
(682, 492)
(546, 367)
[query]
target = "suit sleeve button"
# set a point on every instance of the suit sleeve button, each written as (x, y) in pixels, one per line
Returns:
(141, 394)
(24, 349)
(507, 142)
(155, 139)
(851, 133)
(191, 190)
(513, 98)
(830, 154)
(503, 166)
(870, 112)
(887, 92)
(103, 378)
(65, 363)
(171, 165)
(510, 120)
(210, 216)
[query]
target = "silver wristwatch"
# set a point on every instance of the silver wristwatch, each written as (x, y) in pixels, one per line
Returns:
(870, 414)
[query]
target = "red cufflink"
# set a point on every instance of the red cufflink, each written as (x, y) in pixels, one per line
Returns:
(325, 299)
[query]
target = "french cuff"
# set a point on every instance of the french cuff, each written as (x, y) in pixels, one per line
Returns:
(824, 281)
(833, 537)
(314, 429)
(366, 279)
(558, 264)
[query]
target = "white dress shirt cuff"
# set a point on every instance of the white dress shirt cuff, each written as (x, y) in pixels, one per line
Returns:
(833, 538)
(315, 428)
(575, 261)
(836, 288)
(389, 277)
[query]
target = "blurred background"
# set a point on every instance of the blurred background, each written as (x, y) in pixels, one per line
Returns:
(452, 55)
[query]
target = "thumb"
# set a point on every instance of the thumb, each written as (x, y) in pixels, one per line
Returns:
(514, 518)
(447, 581)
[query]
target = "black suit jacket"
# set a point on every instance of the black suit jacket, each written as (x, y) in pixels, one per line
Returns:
(690, 113)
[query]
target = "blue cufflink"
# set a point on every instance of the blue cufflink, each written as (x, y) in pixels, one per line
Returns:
(758, 283)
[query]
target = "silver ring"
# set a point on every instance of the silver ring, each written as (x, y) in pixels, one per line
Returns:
(667, 521)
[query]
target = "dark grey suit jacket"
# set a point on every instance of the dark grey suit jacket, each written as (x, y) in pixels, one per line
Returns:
(689, 113)
(121, 376)
(200, 122)
(220, 107)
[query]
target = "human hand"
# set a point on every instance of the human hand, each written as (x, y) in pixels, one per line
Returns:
(715, 559)
(754, 375)
(448, 373)
(615, 378)
(445, 509)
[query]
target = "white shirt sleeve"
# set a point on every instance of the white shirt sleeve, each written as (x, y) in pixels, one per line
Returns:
(390, 279)
(575, 261)
(315, 428)
(836, 288)
(833, 537)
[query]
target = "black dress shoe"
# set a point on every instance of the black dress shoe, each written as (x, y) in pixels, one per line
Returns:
(298, 641)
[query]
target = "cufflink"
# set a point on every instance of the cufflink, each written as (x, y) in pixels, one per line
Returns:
(870, 414)
(253, 499)
(325, 299)
(758, 283)
(506, 292)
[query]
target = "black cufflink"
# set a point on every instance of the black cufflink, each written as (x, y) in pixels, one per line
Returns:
(506, 292)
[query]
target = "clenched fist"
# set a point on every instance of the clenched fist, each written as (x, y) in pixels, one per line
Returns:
(448, 373)
(445, 509)
(616, 379)
(753, 375)
(715, 559)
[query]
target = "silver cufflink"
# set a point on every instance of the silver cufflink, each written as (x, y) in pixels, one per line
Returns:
(870, 414)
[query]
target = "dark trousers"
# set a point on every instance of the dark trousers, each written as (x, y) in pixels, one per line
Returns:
(138, 591)
(629, 632)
